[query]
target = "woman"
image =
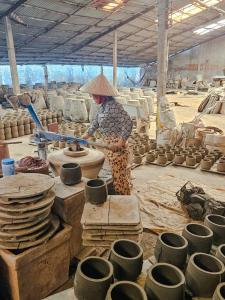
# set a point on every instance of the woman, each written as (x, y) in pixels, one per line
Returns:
(115, 125)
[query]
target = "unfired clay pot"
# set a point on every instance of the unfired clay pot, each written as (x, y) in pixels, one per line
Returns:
(171, 248)
(169, 155)
(190, 161)
(198, 157)
(93, 278)
(206, 164)
(96, 191)
(199, 238)
(137, 159)
(165, 282)
(150, 157)
(220, 253)
(142, 150)
(179, 159)
(221, 166)
(161, 159)
(219, 293)
(203, 274)
(123, 290)
(126, 257)
(211, 157)
(217, 224)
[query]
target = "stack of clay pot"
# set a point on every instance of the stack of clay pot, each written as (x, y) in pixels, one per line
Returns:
(160, 155)
(25, 211)
(95, 275)
(47, 117)
(211, 158)
(184, 262)
(140, 144)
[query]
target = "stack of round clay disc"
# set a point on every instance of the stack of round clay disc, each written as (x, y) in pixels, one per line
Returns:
(25, 211)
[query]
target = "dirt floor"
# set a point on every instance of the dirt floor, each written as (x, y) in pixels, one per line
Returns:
(145, 174)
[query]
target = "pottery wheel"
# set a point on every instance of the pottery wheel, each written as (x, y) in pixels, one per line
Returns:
(25, 185)
(68, 152)
(54, 226)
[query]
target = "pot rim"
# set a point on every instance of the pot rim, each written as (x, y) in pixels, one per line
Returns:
(143, 293)
(215, 215)
(173, 247)
(76, 166)
(200, 236)
(208, 255)
(218, 289)
(182, 281)
(130, 241)
(95, 187)
(99, 259)
(219, 250)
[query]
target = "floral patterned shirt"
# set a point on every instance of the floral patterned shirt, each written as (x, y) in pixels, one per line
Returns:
(112, 121)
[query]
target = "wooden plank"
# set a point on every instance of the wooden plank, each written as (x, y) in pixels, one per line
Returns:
(115, 227)
(94, 214)
(63, 191)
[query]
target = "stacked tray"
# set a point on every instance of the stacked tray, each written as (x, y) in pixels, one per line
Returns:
(117, 218)
(25, 211)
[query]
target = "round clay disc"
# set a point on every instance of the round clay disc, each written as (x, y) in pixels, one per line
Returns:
(68, 152)
(13, 220)
(28, 224)
(25, 185)
(54, 226)
(7, 201)
(28, 214)
(29, 206)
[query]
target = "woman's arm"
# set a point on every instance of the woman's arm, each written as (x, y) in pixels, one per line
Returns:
(91, 130)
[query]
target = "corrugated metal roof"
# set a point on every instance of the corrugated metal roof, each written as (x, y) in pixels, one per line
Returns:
(72, 31)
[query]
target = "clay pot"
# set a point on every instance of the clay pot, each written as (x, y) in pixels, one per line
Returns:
(62, 144)
(169, 155)
(15, 132)
(70, 174)
(219, 293)
(126, 290)
(179, 159)
(190, 161)
(165, 282)
(167, 147)
(96, 191)
(157, 152)
(93, 278)
(203, 274)
(171, 248)
(150, 157)
(142, 150)
(152, 145)
(161, 159)
(198, 157)
(127, 258)
(27, 129)
(137, 159)
(221, 166)
(199, 238)
(184, 153)
(217, 224)
(206, 164)
(220, 253)
(161, 149)
(21, 130)
(147, 147)
(54, 120)
(210, 157)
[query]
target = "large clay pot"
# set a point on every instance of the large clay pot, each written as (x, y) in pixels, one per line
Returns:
(93, 278)
(219, 293)
(179, 159)
(199, 238)
(96, 191)
(165, 282)
(217, 224)
(123, 290)
(171, 248)
(127, 259)
(220, 253)
(70, 174)
(206, 164)
(203, 274)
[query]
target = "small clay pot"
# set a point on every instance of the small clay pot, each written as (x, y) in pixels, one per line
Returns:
(219, 293)
(150, 157)
(137, 159)
(93, 278)
(15, 132)
(126, 290)
(217, 224)
(199, 238)
(220, 253)
(96, 191)
(169, 155)
(184, 153)
(157, 152)
(142, 150)
(147, 147)
(206, 164)
(221, 166)
(126, 257)
(165, 282)
(190, 161)
(152, 145)
(70, 174)
(203, 274)
(171, 248)
(211, 157)
(161, 159)
(198, 157)
(167, 147)
(179, 159)
(161, 149)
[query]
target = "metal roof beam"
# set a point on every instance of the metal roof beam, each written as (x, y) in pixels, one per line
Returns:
(12, 8)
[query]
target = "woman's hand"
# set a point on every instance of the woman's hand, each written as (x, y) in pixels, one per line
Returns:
(118, 146)
(86, 136)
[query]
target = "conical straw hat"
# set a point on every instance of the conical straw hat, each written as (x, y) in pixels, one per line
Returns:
(99, 86)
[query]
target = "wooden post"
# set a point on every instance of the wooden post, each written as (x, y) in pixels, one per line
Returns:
(115, 59)
(12, 56)
(162, 60)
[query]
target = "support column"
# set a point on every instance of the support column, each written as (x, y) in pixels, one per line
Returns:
(115, 59)
(12, 56)
(162, 53)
